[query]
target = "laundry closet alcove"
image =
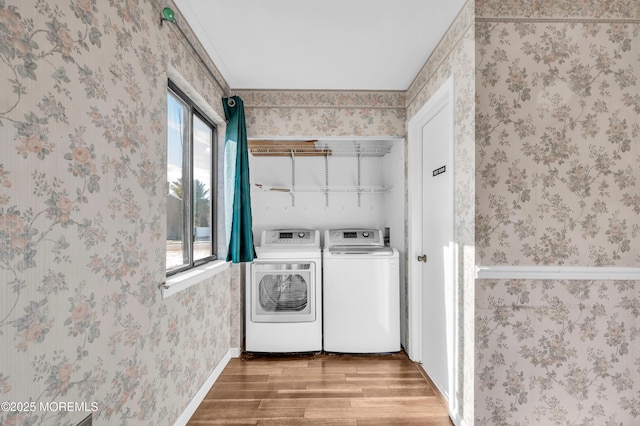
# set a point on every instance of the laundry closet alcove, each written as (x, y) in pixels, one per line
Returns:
(326, 183)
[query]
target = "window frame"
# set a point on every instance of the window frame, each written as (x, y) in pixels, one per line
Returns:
(188, 184)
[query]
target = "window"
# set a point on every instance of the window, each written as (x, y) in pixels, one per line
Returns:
(191, 155)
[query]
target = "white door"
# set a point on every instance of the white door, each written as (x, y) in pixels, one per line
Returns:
(432, 316)
(437, 239)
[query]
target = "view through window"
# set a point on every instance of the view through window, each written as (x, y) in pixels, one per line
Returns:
(190, 160)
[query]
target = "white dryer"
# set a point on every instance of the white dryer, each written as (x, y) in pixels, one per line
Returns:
(283, 310)
(361, 281)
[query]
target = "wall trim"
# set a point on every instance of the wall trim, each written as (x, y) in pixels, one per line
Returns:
(576, 20)
(320, 91)
(534, 272)
(204, 390)
(294, 138)
(298, 106)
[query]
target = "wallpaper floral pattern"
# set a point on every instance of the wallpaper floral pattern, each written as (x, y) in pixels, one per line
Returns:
(558, 352)
(81, 229)
(82, 164)
(553, 9)
(557, 142)
(323, 113)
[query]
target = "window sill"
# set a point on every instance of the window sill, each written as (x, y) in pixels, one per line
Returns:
(186, 279)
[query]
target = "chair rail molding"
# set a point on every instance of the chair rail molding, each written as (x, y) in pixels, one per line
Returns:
(558, 272)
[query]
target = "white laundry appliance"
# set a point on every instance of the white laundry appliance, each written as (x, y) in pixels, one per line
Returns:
(361, 283)
(283, 309)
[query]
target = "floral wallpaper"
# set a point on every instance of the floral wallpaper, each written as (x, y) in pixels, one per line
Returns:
(558, 352)
(553, 9)
(558, 142)
(323, 113)
(82, 201)
(557, 152)
(546, 174)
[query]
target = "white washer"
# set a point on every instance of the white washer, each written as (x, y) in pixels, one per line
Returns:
(283, 310)
(361, 280)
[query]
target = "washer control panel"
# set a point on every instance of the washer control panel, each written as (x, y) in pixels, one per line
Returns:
(356, 237)
(288, 237)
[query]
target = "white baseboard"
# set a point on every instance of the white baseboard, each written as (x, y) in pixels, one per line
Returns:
(206, 387)
(457, 419)
(460, 421)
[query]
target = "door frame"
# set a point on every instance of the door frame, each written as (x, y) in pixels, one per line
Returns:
(440, 99)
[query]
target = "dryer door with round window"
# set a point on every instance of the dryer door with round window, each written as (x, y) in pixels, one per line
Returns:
(283, 292)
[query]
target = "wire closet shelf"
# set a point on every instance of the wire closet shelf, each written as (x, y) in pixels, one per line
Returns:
(325, 149)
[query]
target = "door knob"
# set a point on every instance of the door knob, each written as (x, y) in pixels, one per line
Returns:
(422, 258)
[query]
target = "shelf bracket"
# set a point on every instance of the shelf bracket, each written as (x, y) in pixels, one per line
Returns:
(326, 181)
(293, 178)
(359, 174)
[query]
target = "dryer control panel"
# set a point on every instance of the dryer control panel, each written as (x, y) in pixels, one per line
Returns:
(289, 237)
(355, 237)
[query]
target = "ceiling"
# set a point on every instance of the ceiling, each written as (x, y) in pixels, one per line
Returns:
(319, 45)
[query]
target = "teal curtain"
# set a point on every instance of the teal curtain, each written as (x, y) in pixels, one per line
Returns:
(237, 184)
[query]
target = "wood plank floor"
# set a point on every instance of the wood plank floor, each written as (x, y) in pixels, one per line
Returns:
(322, 390)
